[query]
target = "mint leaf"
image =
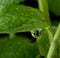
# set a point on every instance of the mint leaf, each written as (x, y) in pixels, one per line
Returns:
(10, 1)
(20, 18)
(4, 5)
(43, 43)
(19, 47)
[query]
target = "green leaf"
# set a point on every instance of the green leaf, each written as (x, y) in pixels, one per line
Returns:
(10, 1)
(43, 43)
(4, 5)
(19, 47)
(20, 18)
(54, 24)
(54, 28)
(54, 6)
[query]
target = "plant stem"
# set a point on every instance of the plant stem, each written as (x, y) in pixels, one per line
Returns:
(53, 44)
(43, 6)
(50, 35)
(12, 35)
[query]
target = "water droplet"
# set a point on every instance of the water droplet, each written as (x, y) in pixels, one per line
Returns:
(36, 33)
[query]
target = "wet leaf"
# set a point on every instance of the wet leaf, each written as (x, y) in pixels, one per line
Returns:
(10, 1)
(20, 18)
(4, 5)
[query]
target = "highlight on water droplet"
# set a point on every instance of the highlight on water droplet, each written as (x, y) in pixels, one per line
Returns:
(36, 33)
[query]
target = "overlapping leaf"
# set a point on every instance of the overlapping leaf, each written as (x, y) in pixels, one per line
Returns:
(19, 47)
(20, 18)
(43, 43)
